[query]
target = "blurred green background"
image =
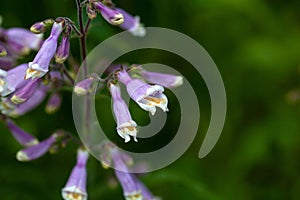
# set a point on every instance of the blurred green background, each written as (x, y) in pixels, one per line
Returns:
(255, 44)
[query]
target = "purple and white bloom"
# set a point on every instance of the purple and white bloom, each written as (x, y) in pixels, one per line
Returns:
(13, 80)
(132, 24)
(53, 103)
(126, 127)
(165, 80)
(148, 97)
(36, 151)
(40, 65)
(20, 41)
(75, 188)
(12, 110)
(35, 100)
(127, 180)
(24, 93)
(111, 16)
(20, 135)
(63, 50)
(85, 86)
(3, 51)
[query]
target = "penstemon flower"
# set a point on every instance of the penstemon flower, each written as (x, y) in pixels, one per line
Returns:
(20, 135)
(20, 41)
(126, 127)
(24, 93)
(148, 97)
(40, 65)
(35, 100)
(75, 188)
(23, 88)
(12, 80)
(132, 24)
(37, 150)
(110, 15)
(165, 80)
(53, 103)
(86, 85)
(130, 187)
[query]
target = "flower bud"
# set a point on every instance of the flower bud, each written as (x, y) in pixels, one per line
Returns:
(91, 12)
(26, 92)
(53, 103)
(63, 50)
(36, 151)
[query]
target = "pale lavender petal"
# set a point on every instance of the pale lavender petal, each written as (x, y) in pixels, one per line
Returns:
(165, 80)
(40, 65)
(132, 24)
(148, 97)
(76, 184)
(21, 41)
(126, 127)
(53, 103)
(111, 16)
(15, 79)
(7, 62)
(26, 92)
(126, 179)
(20, 135)
(36, 151)
(35, 100)
(63, 50)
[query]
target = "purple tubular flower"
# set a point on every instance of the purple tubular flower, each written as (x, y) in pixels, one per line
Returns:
(24, 93)
(35, 100)
(40, 65)
(13, 80)
(10, 109)
(20, 41)
(20, 135)
(63, 50)
(146, 193)
(3, 51)
(126, 127)
(53, 103)
(36, 151)
(111, 16)
(146, 96)
(130, 187)
(75, 188)
(85, 86)
(132, 24)
(165, 80)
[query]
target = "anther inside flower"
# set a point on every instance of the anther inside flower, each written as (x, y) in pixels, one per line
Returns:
(75, 195)
(134, 196)
(34, 71)
(117, 19)
(127, 129)
(146, 96)
(154, 98)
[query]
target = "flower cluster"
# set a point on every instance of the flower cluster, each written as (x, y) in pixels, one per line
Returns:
(24, 86)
